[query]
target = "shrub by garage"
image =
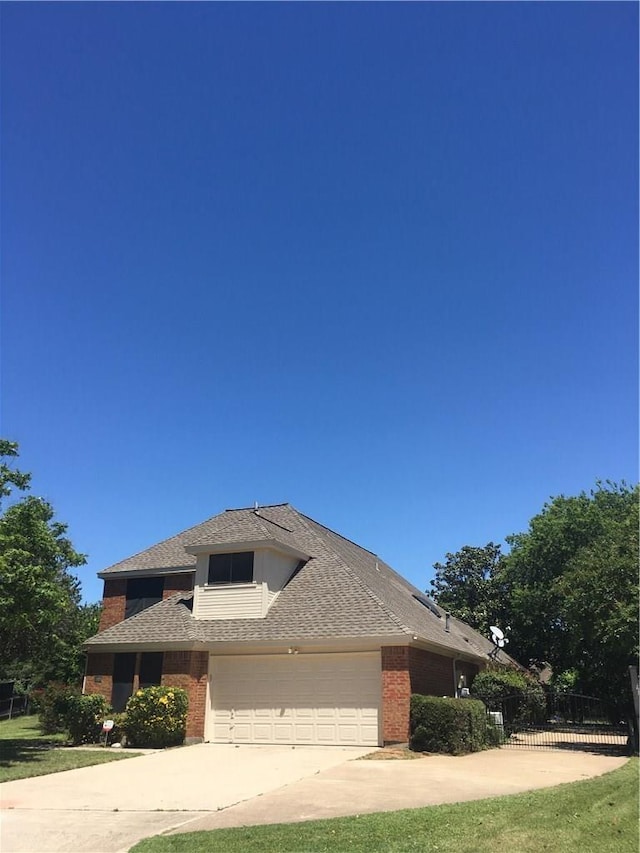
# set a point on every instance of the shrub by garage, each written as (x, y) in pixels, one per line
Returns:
(156, 717)
(519, 697)
(453, 726)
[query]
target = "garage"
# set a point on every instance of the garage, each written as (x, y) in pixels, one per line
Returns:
(295, 698)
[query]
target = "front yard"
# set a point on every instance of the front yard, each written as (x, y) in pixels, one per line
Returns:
(596, 816)
(25, 752)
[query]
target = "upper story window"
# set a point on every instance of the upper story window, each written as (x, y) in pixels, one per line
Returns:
(142, 593)
(231, 568)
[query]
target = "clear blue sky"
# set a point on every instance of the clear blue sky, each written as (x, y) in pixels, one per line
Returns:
(377, 260)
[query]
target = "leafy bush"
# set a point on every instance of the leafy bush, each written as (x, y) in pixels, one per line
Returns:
(157, 717)
(53, 705)
(118, 732)
(84, 717)
(519, 697)
(454, 726)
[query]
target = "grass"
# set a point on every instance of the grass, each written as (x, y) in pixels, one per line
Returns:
(25, 752)
(596, 816)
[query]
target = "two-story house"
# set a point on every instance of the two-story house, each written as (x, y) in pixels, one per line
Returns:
(281, 631)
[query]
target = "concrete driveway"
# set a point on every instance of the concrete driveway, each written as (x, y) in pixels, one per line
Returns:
(361, 787)
(109, 807)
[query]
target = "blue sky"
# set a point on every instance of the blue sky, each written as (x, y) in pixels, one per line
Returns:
(377, 260)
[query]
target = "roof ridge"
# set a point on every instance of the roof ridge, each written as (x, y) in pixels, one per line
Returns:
(256, 512)
(260, 506)
(162, 542)
(352, 573)
(335, 532)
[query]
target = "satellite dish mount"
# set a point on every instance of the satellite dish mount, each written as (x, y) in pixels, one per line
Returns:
(498, 639)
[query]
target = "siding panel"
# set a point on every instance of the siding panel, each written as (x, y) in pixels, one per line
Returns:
(228, 602)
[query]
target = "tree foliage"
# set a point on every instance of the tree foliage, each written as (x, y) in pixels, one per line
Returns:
(10, 477)
(568, 588)
(467, 584)
(42, 623)
(573, 581)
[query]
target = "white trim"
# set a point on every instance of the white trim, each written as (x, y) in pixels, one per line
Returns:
(247, 545)
(143, 573)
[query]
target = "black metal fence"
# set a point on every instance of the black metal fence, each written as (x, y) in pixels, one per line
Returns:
(564, 721)
(11, 703)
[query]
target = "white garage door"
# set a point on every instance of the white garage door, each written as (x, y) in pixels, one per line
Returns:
(303, 699)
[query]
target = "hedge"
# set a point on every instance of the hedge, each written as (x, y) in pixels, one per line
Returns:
(52, 704)
(84, 717)
(453, 726)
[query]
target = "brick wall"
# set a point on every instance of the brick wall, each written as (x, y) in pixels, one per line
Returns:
(396, 692)
(113, 602)
(431, 674)
(99, 675)
(189, 670)
(407, 670)
(115, 596)
(469, 670)
(178, 583)
(179, 669)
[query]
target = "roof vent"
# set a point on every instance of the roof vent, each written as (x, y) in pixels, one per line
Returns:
(426, 602)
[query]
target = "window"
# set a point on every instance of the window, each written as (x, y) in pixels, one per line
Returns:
(150, 669)
(231, 568)
(124, 667)
(142, 593)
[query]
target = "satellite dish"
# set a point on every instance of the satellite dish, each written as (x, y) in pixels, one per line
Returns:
(498, 639)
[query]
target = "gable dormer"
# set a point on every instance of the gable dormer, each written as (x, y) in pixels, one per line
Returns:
(241, 579)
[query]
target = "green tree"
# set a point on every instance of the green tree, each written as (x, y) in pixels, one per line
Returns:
(8, 476)
(572, 588)
(42, 623)
(467, 584)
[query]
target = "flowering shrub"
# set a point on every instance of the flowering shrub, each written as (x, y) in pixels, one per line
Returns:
(157, 717)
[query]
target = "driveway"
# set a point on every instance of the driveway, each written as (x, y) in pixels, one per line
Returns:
(361, 787)
(107, 808)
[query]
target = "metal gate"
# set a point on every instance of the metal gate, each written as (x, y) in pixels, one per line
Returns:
(562, 721)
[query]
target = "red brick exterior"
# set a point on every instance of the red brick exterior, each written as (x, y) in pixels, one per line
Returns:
(115, 595)
(113, 602)
(99, 675)
(190, 671)
(178, 583)
(396, 690)
(179, 669)
(469, 670)
(407, 670)
(431, 674)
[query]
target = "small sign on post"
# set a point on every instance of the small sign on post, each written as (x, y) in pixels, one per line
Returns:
(106, 728)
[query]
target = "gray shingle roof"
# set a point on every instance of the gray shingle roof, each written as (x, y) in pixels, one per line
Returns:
(229, 527)
(342, 591)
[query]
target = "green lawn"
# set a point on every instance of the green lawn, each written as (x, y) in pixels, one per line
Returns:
(25, 752)
(596, 816)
